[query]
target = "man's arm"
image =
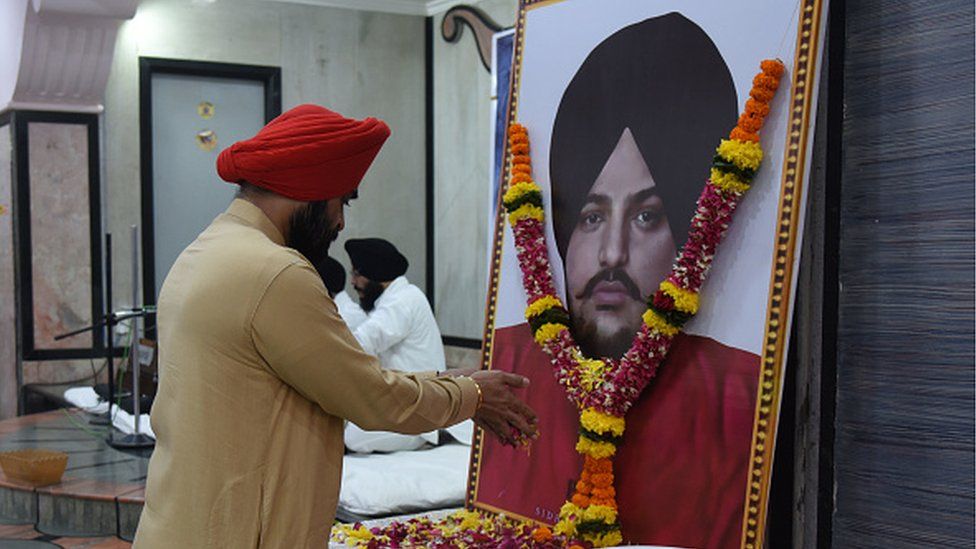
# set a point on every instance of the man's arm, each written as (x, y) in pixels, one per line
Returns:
(301, 336)
(384, 328)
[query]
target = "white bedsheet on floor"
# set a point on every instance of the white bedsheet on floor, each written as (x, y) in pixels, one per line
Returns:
(376, 485)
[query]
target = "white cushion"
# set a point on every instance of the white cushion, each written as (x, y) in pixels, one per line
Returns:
(365, 442)
(404, 482)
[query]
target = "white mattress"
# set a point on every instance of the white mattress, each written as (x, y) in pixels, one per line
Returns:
(375, 485)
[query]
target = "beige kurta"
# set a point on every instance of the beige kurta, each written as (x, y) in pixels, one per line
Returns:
(257, 372)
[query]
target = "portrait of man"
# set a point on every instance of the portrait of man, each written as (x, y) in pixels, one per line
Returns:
(633, 136)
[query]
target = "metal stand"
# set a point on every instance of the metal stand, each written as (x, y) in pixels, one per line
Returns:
(137, 439)
(110, 320)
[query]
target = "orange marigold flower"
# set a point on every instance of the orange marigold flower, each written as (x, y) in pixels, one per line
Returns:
(604, 493)
(742, 135)
(515, 128)
(521, 177)
(581, 501)
(606, 502)
(518, 138)
(522, 159)
(750, 123)
(761, 94)
(772, 67)
(542, 534)
(602, 480)
(757, 108)
(602, 465)
(765, 81)
(521, 168)
(583, 487)
(520, 148)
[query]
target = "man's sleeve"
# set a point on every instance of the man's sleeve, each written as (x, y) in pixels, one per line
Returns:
(297, 330)
(350, 311)
(384, 328)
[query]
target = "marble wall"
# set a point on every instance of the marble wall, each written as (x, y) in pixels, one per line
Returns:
(358, 63)
(462, 164)
(60, 233)
(8, 307)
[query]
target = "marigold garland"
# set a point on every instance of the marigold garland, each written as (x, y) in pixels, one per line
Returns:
(605, 389)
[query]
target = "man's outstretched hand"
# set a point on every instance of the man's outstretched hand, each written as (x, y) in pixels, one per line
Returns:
(501, 412)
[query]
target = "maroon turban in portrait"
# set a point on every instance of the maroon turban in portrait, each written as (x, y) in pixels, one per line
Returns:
(308, 153)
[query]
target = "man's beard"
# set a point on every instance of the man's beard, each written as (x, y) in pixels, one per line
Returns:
(368, 295)
(602, 341)
(311, 230)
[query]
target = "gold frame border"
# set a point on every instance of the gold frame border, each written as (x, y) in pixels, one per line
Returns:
(778, 312)
(779, 304)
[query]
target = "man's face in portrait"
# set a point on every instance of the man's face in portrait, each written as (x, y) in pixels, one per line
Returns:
(620, 249)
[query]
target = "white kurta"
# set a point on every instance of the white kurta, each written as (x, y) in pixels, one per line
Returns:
(402, 332)
(349, 310)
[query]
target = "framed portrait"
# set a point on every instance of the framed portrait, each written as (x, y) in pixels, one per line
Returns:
(624, 119)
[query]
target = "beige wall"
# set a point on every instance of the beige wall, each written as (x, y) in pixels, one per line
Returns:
(358, 63)
(462, 163)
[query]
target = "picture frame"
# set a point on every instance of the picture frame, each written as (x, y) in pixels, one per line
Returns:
(774, 216)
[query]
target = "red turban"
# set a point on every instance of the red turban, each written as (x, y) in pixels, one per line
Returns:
(308, 153)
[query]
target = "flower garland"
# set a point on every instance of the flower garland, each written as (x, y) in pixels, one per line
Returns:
(604, 390)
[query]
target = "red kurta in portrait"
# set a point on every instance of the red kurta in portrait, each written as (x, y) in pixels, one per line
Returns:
(682, 468)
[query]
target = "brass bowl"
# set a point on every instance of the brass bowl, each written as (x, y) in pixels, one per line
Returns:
(36, 467)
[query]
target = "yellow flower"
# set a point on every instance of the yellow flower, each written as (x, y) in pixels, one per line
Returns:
(609, 539)
(595, 449)
(599, 512)
(657, 322)
(467, 520)
(517, 190)
(359, 534)
(548, 332)
(747, 155)
(541, 305)
(525, 211)
(728, 181)
(591, 369)
(593, 420)
(684, 300)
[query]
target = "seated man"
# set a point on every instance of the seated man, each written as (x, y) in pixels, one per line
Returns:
(400, 329)
(334, 276)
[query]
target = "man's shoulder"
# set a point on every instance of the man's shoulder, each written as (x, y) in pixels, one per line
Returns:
(237, 250)
(408, 293)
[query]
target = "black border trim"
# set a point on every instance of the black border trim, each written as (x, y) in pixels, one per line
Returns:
(23, 265)
(836, 45)
(429, 153)
(148, 66)
(467, 342)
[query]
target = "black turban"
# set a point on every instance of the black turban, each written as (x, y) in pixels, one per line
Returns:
(333, 274)
(376, 259)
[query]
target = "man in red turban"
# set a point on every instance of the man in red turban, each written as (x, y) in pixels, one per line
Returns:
(257, 369)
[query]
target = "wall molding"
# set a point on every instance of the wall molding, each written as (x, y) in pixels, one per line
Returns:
(401, 7)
